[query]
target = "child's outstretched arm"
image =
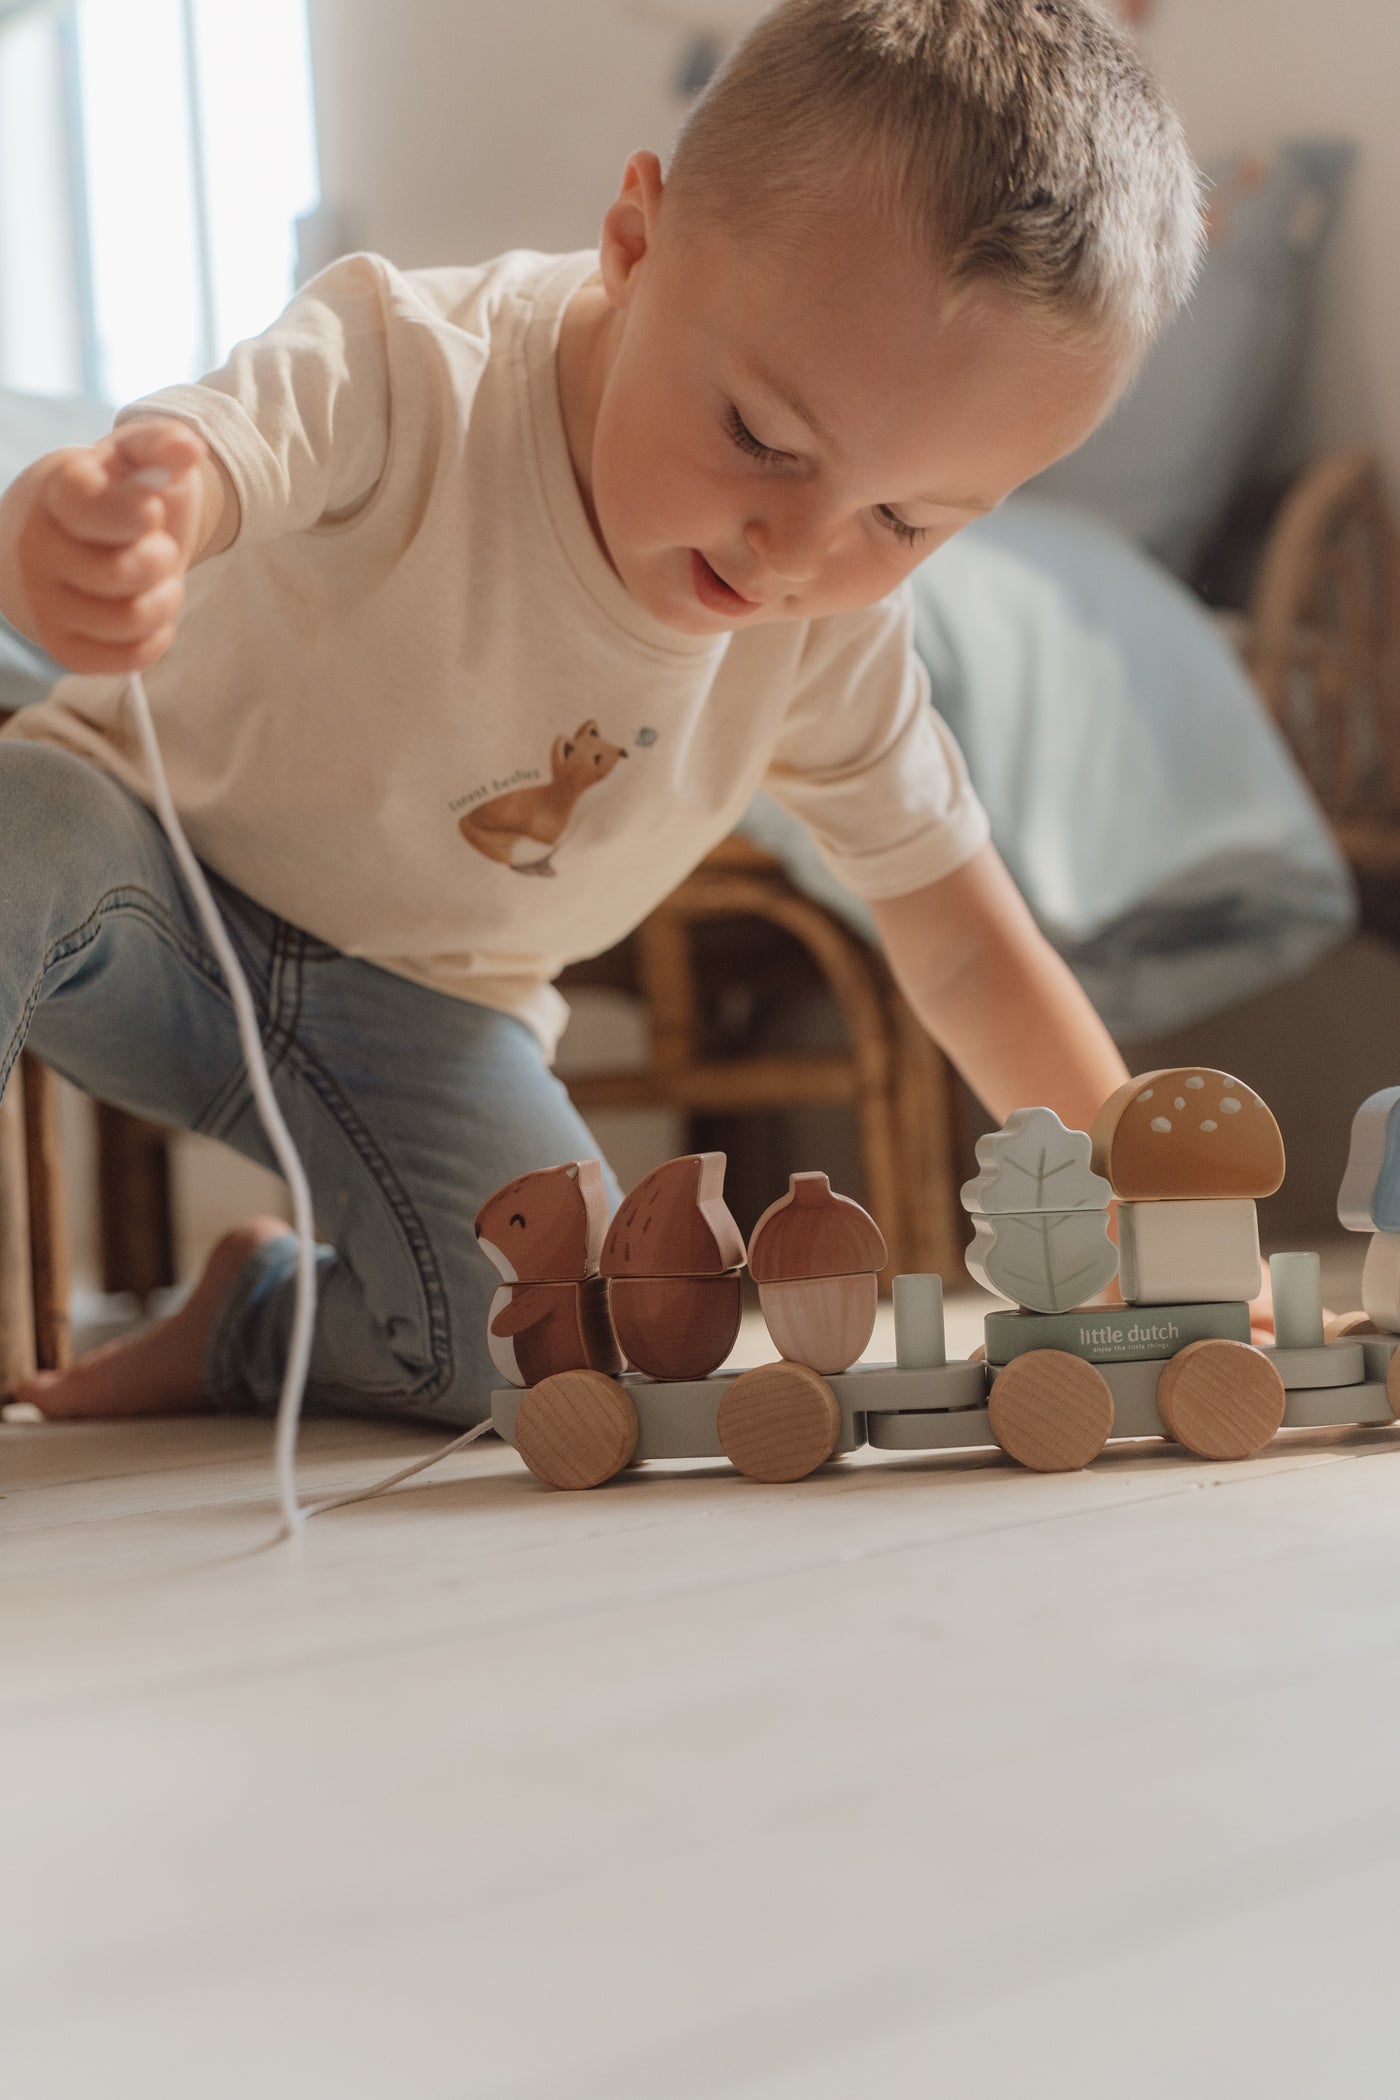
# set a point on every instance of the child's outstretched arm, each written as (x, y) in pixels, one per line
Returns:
(995, 996)
(93, 560)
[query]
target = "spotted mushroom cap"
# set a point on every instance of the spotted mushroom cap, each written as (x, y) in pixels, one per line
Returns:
(1185, 1135)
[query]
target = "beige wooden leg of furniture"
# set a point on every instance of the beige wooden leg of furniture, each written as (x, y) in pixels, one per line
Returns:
(134, 1203)
(48, 1223)
(17, 1359)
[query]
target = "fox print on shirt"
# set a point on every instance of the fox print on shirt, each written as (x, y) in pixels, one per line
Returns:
(523, 829)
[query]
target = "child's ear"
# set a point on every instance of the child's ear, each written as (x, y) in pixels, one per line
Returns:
(629, 229)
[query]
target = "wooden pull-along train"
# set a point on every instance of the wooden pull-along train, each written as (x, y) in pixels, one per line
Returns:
(1185, 1154)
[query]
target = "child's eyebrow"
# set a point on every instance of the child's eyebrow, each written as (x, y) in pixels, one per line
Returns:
(799, 408)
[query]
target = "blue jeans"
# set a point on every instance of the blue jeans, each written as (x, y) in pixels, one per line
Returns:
(408, 1107)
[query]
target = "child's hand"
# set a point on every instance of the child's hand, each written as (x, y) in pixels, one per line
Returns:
(102, 557)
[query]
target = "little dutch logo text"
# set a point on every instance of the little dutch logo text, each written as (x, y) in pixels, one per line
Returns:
(1140, 1335)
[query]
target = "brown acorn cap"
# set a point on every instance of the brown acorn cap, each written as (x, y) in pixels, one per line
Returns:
(675, 1223)
(813, 1232)
(1186, 1135)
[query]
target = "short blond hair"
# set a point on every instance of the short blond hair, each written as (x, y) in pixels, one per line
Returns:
(1021, 142)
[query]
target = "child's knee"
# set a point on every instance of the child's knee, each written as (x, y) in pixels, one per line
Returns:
(55, 805)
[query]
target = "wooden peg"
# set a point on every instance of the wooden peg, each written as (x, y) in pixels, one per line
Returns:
(1051, 1411)
(1297, 1296)
(779, 1422)
(546, 1227)
(536, 1329)
(675, 1222)
(676, 1327)
(1187, 1134)
(576, 1430)
(1221, 1399)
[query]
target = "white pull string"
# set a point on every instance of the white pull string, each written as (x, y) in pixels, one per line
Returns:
(294, 1512)
(304, 1315)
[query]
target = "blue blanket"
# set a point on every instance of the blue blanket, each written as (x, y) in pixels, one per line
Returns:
(1137, 788)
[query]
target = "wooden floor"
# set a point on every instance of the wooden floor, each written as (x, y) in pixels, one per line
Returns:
(925, 1777)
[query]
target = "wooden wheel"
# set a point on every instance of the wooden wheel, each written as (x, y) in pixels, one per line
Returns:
(1221, 1399)
(1392, 1383)
(1051, 1411)
(576, 1429)
(779, 1422)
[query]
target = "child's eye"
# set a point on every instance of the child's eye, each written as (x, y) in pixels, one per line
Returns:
(901, 528)
(746, 441)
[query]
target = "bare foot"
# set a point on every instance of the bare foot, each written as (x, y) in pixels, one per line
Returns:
(160, 1370)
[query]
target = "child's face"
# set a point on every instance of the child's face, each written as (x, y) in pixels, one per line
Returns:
(683, 377)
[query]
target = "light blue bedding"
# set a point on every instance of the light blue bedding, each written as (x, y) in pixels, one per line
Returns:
(1144, 802)
(1137, 789)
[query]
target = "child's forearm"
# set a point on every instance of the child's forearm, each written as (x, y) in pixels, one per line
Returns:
(996, 998)
(1022, 1033)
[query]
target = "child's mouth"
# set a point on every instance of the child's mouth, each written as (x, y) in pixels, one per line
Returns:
(712, 590)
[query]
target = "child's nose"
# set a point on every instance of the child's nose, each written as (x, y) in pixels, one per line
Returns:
(792, 547)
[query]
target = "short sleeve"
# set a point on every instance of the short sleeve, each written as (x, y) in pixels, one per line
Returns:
(865, 762)
(300, 415)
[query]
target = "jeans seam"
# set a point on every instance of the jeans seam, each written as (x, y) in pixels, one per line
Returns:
(128, 898)
(282, 1049)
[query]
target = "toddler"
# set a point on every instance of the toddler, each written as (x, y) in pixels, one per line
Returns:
(477, 604)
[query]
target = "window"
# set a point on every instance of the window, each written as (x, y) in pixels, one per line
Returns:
(154, 157)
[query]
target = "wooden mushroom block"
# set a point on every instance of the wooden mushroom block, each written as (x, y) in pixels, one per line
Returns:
(674, 1258)
(815, 1257)
(544, 1232)
(1187, 1134)
(1201, 1253)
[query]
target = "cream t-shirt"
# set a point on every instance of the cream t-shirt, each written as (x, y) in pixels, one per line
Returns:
(412, 708)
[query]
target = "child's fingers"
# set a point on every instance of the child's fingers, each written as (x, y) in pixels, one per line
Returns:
(85, 502)
(149, 442)
(115, 572)
(131, 620)
(111, 659)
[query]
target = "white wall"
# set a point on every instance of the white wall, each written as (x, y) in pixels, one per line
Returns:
(1246, 72)
(451, 129)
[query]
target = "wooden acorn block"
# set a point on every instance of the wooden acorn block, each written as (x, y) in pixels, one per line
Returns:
(1369, 1197)
(675, 1222)
(824, 1321)
(546, 1227)
(1179, 1253)
(676, 1327)
(538, 1329)
(815, 1257)
(1187, 1134)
